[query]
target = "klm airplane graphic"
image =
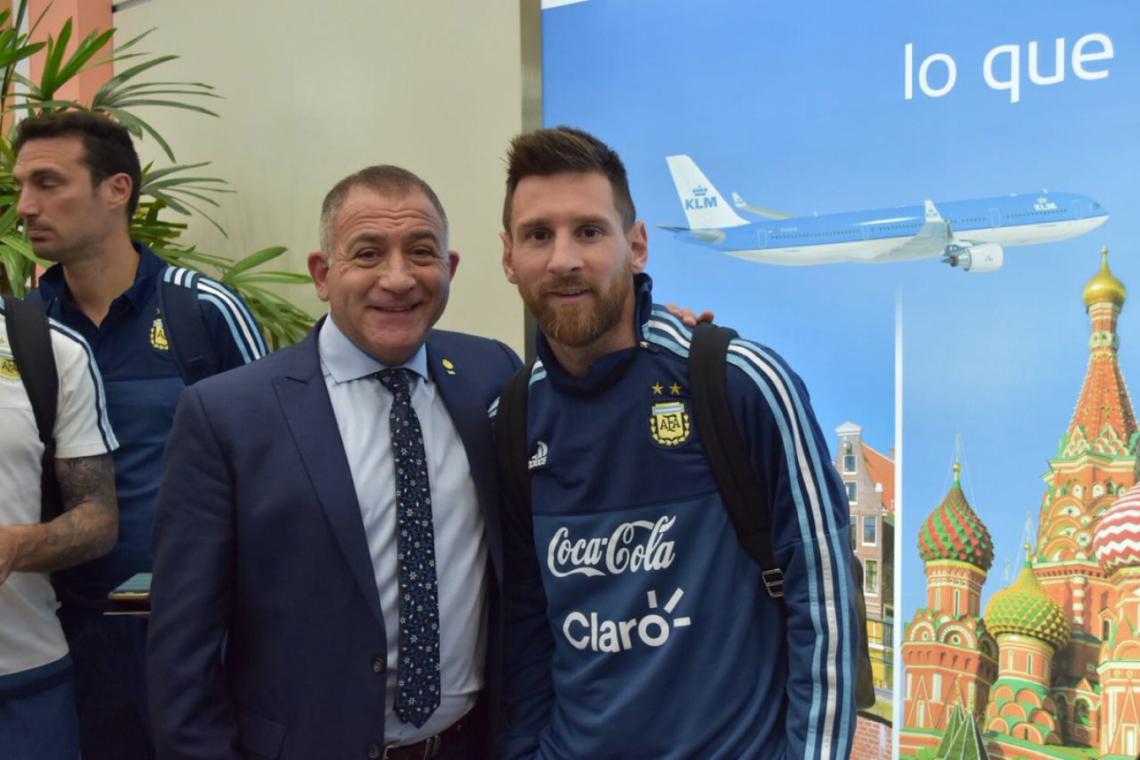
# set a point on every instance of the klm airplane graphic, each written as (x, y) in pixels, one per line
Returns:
(970, 235)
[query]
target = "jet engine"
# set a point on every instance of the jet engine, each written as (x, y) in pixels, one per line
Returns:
(987, 257)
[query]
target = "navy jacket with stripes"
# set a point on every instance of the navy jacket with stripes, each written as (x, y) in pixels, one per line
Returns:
(636, 625)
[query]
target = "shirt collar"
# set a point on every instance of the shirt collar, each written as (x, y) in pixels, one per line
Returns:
(53, 287)
(345, 361)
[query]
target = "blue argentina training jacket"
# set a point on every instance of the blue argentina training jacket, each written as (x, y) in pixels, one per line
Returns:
(636, 625)
(143, 382)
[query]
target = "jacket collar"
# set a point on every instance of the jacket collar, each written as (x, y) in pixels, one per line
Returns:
(607, 369)
(53, 287)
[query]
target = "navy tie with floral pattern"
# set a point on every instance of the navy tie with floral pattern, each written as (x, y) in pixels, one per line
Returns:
(417, 673)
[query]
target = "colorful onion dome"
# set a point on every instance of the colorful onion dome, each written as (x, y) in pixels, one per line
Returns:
(1117, 537)
(954, 531)
(1023, 608)
(1104, 287)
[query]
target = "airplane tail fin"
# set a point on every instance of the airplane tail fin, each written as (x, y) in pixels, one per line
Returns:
(705, 208)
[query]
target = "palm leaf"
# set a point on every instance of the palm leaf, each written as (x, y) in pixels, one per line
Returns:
(176, 188)
(275, 277)
(253, 260)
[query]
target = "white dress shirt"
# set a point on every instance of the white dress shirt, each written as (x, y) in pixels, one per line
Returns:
(362, 405)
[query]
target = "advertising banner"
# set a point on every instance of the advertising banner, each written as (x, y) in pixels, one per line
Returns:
(962, 176)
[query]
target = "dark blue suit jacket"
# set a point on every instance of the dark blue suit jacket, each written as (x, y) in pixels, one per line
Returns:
(266, 636)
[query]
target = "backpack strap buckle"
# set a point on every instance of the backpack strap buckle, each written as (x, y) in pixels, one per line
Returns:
(773, 582)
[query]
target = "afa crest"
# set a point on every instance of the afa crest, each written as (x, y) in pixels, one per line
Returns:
(158, 335)
(8, 370)
(669, 423)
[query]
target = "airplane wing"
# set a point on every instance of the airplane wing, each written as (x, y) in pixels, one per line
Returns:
(935, 238)
(930, 240)
(715, 237)
(767, 213)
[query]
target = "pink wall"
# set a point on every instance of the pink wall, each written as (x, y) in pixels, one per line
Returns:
(86, 16)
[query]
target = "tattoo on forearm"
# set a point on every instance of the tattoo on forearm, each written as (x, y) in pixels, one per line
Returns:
(88, 526)
(86, 479)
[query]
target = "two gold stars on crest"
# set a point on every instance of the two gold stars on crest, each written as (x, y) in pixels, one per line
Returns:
(658, 389)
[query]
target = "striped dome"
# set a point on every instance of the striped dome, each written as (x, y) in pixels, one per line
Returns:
(1117, 538)
(954, 531)
(1023, 608)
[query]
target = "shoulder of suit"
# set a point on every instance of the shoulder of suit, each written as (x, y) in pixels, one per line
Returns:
(259, 376)
(484, 361)
(451, 337)
(441, 341)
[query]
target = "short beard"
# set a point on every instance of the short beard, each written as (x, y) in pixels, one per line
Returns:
(579, 325)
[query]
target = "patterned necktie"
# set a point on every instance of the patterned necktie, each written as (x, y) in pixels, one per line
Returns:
(417, 674)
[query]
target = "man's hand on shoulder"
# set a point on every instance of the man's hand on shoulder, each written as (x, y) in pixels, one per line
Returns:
(87, 528)
(689, 317)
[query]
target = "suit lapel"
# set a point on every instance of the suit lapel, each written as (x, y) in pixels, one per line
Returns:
(305, 402)
(462, 400)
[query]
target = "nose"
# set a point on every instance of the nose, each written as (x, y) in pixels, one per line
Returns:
(26, 205)
(567, 255)
(396, 273)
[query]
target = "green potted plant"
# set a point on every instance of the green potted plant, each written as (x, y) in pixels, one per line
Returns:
(179, 189)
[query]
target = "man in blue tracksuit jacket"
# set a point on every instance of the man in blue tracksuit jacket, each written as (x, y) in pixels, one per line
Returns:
(80, 179)
(636, 625)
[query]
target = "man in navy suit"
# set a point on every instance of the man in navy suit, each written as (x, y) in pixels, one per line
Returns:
(298, 607)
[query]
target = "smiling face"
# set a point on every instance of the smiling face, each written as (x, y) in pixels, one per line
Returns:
(573, 262)
(66, 214)
(387, 276)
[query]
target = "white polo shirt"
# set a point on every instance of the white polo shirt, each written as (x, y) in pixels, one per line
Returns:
(30, 634)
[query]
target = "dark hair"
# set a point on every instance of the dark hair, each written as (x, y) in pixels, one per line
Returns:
(384, 179)
(107, 145)
(564, 149)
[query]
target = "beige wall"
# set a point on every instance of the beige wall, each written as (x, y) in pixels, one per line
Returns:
(315, 90)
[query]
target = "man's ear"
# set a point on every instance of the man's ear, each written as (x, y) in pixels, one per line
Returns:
(452, 263)
(508, 269)
(116, 189)
(638, 247)
(319, 271)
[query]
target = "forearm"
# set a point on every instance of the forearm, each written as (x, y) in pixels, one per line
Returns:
(529, 648)
(87, 528)
(528, 688)
(83, 533)
(822, 644)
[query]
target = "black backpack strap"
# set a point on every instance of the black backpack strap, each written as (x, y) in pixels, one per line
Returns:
(185, 327)
(864, 675)
(29, 336)
(510, 438)
(741, 491)
(743, 496)
(35, 297)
